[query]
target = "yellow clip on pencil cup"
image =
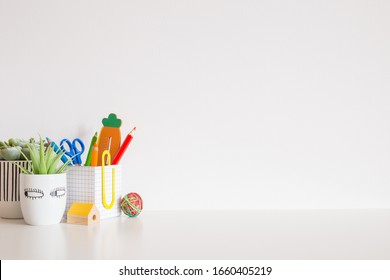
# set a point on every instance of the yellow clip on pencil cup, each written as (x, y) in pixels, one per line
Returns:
(107, 206)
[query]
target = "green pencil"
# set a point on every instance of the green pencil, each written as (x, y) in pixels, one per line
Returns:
(89, 157)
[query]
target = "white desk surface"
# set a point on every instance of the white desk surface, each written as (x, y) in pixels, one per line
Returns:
(260, 234)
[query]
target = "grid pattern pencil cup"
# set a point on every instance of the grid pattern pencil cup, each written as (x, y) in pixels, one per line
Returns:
(85, 184)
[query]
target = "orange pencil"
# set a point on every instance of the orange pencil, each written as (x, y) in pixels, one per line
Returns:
(95, 154)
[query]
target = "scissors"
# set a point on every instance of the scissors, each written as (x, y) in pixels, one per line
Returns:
(73, 152)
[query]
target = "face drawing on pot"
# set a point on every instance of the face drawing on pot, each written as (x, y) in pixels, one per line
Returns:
(43, 198)
(58, 192)
(35, 193)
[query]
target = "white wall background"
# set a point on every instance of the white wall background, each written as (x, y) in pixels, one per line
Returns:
(238, 104)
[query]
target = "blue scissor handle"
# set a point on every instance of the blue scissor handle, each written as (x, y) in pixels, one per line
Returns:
(69, 151)
(78, 152)
(74, 153)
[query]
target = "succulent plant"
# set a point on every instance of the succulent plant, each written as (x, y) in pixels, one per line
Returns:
(44, 159)
(12, 150)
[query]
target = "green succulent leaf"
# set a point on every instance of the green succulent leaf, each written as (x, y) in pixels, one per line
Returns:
(52, 166)
(34, 158)
(24, 170)
(43, 160)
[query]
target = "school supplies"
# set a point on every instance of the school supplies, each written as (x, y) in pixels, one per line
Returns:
(124, 146)
(107, 206)
(73, 152)
(83, 214)
(84, 184)
(89, 156)
(95, 154)
(64, 159)
(110, 136)
(132, 204)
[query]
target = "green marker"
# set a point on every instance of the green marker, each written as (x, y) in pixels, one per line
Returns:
(89, 157)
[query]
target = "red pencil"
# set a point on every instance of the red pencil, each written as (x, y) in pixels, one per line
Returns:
(124, 146)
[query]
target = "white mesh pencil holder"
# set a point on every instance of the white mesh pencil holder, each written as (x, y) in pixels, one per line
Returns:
(101, 185)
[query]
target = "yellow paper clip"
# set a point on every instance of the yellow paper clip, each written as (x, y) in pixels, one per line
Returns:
(104, 181)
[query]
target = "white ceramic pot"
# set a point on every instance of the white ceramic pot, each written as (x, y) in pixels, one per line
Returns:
(43, 198)
(9, 189)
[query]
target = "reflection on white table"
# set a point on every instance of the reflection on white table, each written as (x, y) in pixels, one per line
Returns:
(258, 234)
